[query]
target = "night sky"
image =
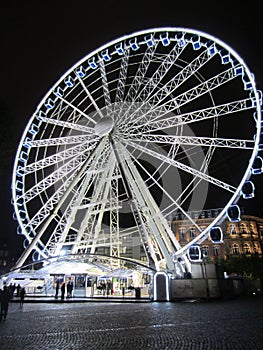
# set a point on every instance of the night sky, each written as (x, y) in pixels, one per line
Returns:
(40, 40)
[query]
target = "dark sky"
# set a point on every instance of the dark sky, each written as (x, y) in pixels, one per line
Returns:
(40, 40)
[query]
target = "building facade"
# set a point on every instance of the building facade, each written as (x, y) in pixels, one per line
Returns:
(242, 237)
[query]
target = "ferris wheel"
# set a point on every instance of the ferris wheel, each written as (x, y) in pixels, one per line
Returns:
(159, 123)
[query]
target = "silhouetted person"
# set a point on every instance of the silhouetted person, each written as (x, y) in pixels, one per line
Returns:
(103, 286)
(63, 290)
(69, 289)
(108, 288)
(18, 289)
(22, 296)
(5, 297)
(57, 289)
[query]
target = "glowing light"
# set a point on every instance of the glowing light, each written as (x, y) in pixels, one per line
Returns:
(155, 292)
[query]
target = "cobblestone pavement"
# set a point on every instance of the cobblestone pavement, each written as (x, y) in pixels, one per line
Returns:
(221, 324)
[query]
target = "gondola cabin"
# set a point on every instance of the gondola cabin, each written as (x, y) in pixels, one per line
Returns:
(216, 234)
(233, 213)
(194, 253)
(248, 190)
(257, 167)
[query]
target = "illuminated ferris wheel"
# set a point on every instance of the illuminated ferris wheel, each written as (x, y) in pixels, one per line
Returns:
(154, 124)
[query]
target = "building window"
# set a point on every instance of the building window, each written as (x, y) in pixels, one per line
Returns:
(243, 228)
(196, 215)
(235, 249)
(192, 233)
(209, 214)
(252, 228)
(232, 229)
(246, 248)
(216, 251)
(205, 251)
(182, 232)
(123, 249)
(143, 258)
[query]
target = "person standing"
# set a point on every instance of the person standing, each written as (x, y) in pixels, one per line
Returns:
(63, 290)
(22, 296)
(69, 289)
(57, 288)
(5, 297)
(18, 289)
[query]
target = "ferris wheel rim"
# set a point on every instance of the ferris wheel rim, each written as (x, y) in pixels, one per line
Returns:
(246, 175)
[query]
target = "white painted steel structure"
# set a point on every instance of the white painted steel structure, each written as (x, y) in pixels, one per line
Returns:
(154, 123)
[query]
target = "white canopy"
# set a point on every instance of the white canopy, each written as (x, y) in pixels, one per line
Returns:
(72, 268)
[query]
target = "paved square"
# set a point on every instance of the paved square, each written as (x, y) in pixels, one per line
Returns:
(223, 324)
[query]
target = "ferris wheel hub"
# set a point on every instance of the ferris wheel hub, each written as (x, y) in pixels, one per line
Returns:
(104, 126)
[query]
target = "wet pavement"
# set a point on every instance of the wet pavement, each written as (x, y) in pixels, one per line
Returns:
(219, 324)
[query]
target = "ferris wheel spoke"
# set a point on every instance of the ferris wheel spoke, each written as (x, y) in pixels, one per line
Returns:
(105, 87)
(76, 109)
(46, 211)
(66, 124)
(93, 102)
(174, 202)
(184, 167)
(193, 141)
(83, 148)
(86, 179)
(122, 78)
(188, 96)
(40, 222)
(63, 172)
(139, 77)
(66, 140)
(168, 121)
(177, 80)
(194, 183)
(138, 80)
(165, 62)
